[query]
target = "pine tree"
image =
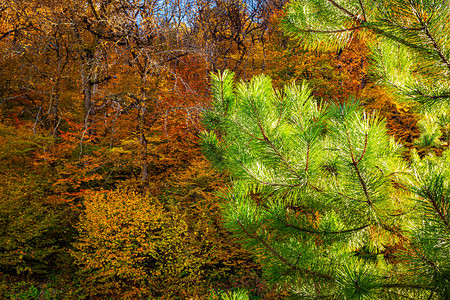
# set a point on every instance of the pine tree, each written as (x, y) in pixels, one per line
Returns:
(321, 193)
(410, 44)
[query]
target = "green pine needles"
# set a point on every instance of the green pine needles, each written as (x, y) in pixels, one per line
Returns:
(321, 193)
(410, 39)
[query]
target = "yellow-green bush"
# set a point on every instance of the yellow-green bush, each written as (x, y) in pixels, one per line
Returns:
(128, 245)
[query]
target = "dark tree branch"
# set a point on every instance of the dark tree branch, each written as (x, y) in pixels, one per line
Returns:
(280, 257)
(307, 230)
(363, 10)
(347, 12)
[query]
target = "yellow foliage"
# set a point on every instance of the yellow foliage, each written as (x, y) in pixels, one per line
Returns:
(129, 245)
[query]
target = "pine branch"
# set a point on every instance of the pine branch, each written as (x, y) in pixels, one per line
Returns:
(436, 47)
(397, 39)
(401, 26)
(404, 285)
(327, 31)
(364, 150)
(266, 138)
(280, 257)
(434, 97)
(307, 156)
(429, 192)
(351, 154)
(439, 212)
(362, 182)
(326, 232)
(431, 38)
(355, 166)
(347, 12)
(247, 132)
(319, 190)
(432, 265)
(363, 10)
(275, 184)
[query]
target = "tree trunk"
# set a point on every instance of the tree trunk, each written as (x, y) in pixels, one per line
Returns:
(54, 115)
(89, 111)
(142, 135)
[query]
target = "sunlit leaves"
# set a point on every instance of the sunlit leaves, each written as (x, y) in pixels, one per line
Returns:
(125, 237)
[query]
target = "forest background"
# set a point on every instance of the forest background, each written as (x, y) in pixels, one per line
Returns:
(105, 191)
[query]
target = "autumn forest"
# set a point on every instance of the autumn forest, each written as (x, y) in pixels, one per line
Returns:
(122, 145)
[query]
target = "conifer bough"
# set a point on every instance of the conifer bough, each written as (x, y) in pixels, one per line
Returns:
(321, 193)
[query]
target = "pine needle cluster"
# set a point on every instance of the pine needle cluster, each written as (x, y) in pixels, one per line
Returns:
(321, 193)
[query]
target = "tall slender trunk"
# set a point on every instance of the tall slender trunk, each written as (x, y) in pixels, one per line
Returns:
(142, 134)
(53, 109)
(54, 115)
(89, 109)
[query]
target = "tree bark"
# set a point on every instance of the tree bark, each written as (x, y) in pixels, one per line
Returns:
(142, 135)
